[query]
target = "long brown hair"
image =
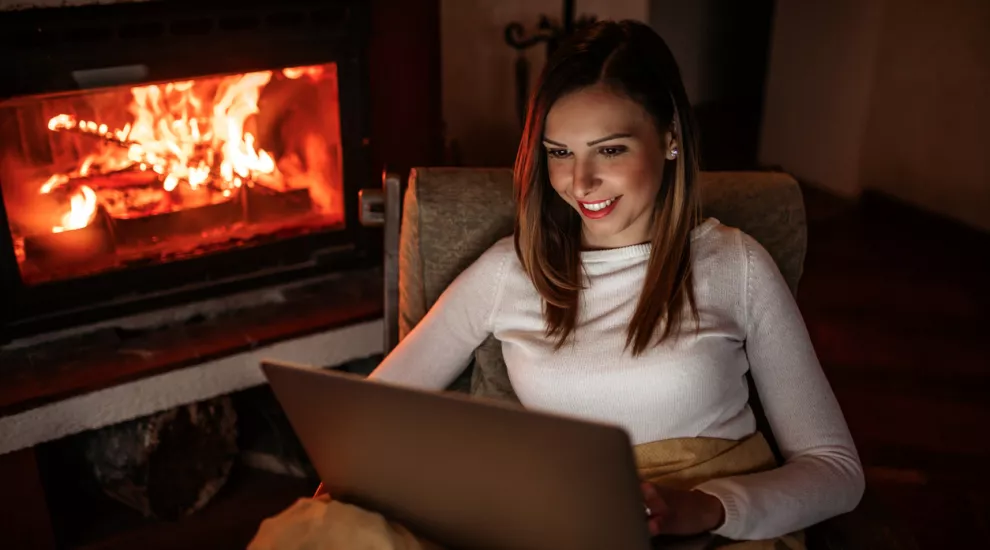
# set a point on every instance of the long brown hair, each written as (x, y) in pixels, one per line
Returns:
(631, 59)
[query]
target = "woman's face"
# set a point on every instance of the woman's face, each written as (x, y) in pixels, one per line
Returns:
(605, 158)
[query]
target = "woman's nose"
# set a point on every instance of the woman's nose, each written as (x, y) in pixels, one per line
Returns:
(585, 180)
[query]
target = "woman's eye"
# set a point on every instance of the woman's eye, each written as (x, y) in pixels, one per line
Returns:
(612, 151)
(558, 153)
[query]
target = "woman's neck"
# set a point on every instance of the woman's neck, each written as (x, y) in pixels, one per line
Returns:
(628, 237)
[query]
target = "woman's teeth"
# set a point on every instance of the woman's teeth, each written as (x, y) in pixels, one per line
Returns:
(596, 206)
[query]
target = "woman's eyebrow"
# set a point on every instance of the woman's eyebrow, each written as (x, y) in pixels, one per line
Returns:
(608, 137)
(592, 142)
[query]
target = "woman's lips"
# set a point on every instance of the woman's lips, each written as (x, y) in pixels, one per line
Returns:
(586, 208)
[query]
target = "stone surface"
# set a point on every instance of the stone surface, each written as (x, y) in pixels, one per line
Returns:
(170, 464)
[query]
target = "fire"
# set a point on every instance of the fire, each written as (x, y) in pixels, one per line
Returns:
(181, 134)
(314, 72)
(82, 209)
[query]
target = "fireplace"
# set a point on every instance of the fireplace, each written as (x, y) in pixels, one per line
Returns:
(97, 181)
(154, 153)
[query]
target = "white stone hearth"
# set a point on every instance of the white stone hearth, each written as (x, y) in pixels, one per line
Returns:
(183, 386)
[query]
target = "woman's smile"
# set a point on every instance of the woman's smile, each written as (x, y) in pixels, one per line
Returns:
(599, 209)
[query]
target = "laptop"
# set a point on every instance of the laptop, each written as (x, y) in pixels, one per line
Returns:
(463, 472)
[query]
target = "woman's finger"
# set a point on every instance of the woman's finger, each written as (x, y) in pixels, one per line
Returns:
(654, 526)
(653, 499)
(649, 490)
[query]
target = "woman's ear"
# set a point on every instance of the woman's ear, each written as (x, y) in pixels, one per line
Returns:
(670, 146)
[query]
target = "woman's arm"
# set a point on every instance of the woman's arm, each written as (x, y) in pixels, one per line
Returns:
(822, 476)
(440, 347)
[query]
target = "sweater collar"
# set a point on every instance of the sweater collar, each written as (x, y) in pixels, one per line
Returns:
(638, 250)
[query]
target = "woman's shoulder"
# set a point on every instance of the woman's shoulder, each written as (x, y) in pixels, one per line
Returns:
(504, 247)
(497, 260)
(502, 252)
(502, 262)
(725, 247)
(712, 237)
(495, 273)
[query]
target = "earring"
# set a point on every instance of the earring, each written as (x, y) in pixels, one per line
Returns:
(672, 152)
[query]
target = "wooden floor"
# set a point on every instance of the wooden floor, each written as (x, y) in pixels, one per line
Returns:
(898, 306)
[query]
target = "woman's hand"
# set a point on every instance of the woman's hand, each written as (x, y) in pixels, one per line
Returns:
(680, 512)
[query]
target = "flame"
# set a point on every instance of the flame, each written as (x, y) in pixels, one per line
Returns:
(57, 180)
(181, 133)
(82, 209)
(313, 72)
(174, 135)
(229, 113)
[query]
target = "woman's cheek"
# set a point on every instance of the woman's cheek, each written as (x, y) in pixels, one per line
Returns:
(557, 171)
(635, 173)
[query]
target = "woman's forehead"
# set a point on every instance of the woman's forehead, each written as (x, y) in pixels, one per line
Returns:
(591, 113)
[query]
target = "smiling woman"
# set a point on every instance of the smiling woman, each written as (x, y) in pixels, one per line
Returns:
(614, 301)
(611, 129)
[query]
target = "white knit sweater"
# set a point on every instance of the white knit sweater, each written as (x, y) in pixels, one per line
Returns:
(688, 387)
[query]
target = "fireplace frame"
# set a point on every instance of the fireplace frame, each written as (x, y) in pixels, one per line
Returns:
(169, 41)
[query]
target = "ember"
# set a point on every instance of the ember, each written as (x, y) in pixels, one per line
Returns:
(252, 154)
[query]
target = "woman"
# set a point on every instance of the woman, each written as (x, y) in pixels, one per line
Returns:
(615, 302)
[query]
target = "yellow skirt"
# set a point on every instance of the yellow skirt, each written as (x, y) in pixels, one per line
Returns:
(685, 463)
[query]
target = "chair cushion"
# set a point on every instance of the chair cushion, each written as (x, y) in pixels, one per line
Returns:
(452, 215)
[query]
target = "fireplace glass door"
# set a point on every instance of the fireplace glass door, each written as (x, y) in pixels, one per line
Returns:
(107, 179)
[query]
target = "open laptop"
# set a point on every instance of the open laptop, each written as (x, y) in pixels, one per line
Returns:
(462, 472)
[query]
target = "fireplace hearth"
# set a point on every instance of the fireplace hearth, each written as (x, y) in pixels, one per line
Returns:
(156, 153)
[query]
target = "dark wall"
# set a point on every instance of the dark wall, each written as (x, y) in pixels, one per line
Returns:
(722, 48)
(404, 79)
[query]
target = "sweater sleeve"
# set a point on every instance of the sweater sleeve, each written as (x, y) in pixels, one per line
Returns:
(822, 476)
(441, 345)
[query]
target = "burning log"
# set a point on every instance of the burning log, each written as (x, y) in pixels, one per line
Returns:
(131, 176)
(264, 204)
(167, 465)
(68, 123)
(118, 223)
(187, 221)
